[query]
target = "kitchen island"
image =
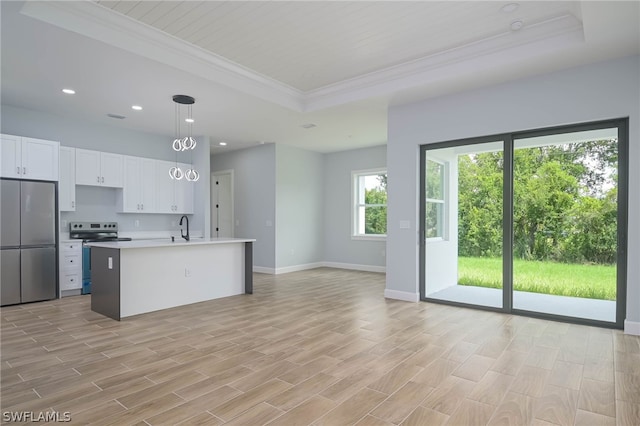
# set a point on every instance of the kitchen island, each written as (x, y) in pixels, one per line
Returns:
(136, 277)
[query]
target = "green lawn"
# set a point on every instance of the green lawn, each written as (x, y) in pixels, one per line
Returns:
(562, 279)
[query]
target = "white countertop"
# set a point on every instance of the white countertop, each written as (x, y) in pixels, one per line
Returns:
(166, 242)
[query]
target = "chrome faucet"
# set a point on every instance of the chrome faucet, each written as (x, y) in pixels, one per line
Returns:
(186, 237)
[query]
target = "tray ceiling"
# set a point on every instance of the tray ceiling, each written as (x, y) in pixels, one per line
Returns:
(310, 45)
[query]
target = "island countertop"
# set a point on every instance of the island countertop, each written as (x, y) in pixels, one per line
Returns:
(166, 242)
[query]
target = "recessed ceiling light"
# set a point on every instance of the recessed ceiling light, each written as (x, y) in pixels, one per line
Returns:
(222, 144)
(308, 126)
(516, 25)
(511, 7)
(69, 91)
(189, 120)
(136, 107)
(118, 116)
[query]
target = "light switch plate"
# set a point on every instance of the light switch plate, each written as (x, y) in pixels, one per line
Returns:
(405, 224)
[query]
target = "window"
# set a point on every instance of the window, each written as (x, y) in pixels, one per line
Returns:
(370, 204)
(435, 205)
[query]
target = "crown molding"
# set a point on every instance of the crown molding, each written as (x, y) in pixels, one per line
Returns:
(97, 22)
(548, 35)
(92, 20)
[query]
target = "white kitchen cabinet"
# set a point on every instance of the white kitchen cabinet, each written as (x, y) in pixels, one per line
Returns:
(173, 196)
(184, 194)
(70, 266)
(98, 168)
(139, 186)
(67, 184)
(28, 158)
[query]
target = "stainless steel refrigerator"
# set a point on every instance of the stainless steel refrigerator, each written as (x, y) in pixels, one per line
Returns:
(28, 251)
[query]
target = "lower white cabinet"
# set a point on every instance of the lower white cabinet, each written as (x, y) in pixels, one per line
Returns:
(70, 265)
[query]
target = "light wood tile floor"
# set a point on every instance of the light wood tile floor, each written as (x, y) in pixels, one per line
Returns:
(318, 347)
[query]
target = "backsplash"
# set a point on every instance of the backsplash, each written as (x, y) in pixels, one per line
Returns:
(94, 203)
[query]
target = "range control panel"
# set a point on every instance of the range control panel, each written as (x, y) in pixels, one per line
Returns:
(93, 226)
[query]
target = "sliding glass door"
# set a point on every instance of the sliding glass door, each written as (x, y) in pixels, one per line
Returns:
(530, 222)
(463, 223)
(565, 205)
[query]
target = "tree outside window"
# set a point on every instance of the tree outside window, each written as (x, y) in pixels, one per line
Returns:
(370, 203)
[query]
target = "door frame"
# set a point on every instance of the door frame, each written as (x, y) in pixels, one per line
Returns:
(622, 124)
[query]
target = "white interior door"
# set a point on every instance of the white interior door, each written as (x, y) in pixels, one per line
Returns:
(222, 204)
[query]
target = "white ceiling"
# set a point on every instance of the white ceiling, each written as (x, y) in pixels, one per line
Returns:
(260, 70)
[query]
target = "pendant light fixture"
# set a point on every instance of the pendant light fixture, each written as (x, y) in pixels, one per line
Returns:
(186, 143)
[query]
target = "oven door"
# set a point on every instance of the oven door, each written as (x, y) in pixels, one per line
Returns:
(86, 269)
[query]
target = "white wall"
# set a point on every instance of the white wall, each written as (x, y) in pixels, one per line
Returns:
(589, 93)
(299, 207)
(338, 246)
(254, 195)
(95, 203)
(307, 197)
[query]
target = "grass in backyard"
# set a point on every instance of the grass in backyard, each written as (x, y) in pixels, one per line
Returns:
(561, 279)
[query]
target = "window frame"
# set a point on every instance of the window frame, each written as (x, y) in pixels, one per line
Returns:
(355, 204)
(443, 202)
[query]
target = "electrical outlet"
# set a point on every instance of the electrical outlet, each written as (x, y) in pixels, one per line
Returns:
(64, 224)
(137, 223)
(187, 272)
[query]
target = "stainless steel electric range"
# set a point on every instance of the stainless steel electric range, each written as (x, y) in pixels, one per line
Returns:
(90, 232)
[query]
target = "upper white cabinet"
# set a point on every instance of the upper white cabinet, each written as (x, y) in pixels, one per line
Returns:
(139, 188)
(28, 158)
(98, 168)
(67, 185)
(173, 196)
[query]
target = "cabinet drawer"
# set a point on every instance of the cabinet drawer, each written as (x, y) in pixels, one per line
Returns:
(71, 246)
(71, 261)
(70, 282)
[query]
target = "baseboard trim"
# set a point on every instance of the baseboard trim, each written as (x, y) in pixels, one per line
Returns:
(401, 295)
(296, 268)
(355, 267)
(632, 327)
(307, 266)
(264, 270)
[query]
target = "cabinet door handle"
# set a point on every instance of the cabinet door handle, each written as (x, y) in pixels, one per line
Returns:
(102, 179)
(98, 179)
(141, 206)
(73, 204)
(24, 170)
(18, 170)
